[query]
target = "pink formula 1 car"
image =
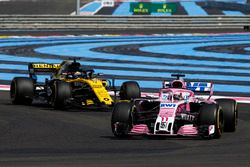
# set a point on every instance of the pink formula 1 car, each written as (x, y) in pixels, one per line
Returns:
(177, 112)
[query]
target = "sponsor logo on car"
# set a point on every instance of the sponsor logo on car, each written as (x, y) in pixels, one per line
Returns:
(45, 65)
(167, 105)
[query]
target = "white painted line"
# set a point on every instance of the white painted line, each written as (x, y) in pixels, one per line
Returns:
(97, 10)
(5, 87)
(87, 13)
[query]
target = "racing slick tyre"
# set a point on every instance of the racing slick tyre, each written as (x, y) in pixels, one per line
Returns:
(121, 119)
(230, 113)
(22, 90)
(130, 90)
(210, 114)
(61, 91)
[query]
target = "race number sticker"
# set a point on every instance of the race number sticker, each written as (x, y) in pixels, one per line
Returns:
(163, 125)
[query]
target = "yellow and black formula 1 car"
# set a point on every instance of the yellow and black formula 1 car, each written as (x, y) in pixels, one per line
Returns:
(69, 85)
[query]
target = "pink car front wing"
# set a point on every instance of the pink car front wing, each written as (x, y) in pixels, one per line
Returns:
(185, 130)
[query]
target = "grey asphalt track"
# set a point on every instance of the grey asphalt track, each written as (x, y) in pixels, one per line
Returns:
(40, 136)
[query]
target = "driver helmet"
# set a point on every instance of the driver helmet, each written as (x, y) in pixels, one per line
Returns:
(178, 97)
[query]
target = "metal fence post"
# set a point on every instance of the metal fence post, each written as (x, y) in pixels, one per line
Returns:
(78, 7)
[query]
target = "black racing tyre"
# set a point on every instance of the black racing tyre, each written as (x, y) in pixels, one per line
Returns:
(121, 119)
(230, 113)
(61, 91)
(130, 90)
(22, 90)
(211, 114)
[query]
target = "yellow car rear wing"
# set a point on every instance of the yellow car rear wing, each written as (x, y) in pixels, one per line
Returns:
(42, 68)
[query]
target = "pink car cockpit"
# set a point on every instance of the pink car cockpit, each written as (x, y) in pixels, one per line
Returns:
(173, 95)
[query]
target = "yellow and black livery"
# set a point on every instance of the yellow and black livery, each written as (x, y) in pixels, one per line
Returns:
(69, 84)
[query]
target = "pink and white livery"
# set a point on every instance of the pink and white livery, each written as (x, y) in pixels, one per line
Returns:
(176, 112)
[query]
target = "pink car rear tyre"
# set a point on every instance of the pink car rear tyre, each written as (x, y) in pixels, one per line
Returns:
(230, 113)
(130, 90)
